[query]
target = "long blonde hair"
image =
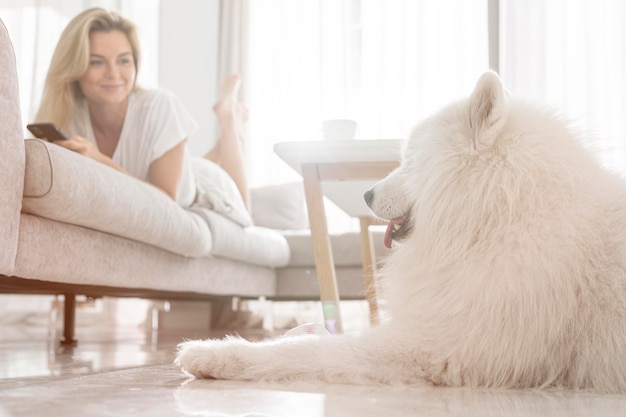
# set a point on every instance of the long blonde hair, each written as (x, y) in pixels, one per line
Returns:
(71, 59)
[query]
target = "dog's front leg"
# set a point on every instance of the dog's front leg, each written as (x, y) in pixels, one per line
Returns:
(235, 358)
(365, 359)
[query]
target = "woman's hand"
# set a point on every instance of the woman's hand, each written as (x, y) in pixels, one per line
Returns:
(84, 147)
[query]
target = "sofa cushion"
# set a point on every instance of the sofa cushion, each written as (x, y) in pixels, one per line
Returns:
(257, 245)
(65, 186)
(346, 247)
(57, 252)
(11, 154)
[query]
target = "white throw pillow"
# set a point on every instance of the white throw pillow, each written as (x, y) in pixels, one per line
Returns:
(280, 206)
(217, 191)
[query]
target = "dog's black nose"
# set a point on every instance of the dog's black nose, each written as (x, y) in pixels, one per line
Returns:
(368, 196)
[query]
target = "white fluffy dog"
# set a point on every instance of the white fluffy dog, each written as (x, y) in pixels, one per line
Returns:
(510, 269)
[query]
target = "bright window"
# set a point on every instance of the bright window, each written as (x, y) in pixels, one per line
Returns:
(571, 54)
(385, 64)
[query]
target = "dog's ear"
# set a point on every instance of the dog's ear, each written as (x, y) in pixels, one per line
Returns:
(487, 110)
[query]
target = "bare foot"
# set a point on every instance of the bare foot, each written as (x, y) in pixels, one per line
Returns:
(241, 119)
(227, 104)
(242, 113)
(231, 114)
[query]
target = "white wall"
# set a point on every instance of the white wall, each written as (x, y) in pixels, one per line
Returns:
(188, 62)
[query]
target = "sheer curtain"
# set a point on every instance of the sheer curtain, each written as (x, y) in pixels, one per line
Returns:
(572, 55)
(234, 41)
(35, 27)
(385, 64)
(234, 50)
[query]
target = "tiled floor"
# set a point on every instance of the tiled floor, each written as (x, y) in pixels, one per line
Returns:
(128, 371)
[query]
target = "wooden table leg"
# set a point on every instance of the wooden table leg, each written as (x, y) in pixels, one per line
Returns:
(368, 256)
(322, 252)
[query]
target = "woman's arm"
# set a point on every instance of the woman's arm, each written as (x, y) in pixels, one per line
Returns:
(166, 172)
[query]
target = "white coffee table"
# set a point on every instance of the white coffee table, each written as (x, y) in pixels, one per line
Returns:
(341, 170)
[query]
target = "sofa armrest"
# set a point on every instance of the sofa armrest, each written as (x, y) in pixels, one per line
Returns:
(11, 155)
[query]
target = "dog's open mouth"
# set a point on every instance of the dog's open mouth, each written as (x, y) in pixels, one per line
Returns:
(396, 229)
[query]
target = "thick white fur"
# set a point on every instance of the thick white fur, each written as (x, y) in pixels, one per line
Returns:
(513, 274)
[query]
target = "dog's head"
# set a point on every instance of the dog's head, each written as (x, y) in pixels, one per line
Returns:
(462, 128)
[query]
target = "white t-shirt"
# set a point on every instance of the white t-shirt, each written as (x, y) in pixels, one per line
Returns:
(155, 122)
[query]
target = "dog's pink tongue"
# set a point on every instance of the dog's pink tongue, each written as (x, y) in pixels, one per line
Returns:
(390, 227)
(388, 235)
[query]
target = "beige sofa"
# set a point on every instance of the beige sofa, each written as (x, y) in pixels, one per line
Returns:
(71, 226)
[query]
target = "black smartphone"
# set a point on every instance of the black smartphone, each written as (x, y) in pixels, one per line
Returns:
(47, 131)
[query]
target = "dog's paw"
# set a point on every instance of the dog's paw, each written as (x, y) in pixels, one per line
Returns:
(215, 359)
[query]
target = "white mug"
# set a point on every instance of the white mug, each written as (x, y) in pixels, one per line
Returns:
(339, 129)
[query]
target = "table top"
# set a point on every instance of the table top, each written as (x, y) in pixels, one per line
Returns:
(339, 151)
(347, 194)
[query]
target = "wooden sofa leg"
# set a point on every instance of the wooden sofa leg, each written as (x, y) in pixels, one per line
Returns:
(69, 320)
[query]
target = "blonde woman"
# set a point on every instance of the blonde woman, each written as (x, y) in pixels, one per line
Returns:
(91, 94)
